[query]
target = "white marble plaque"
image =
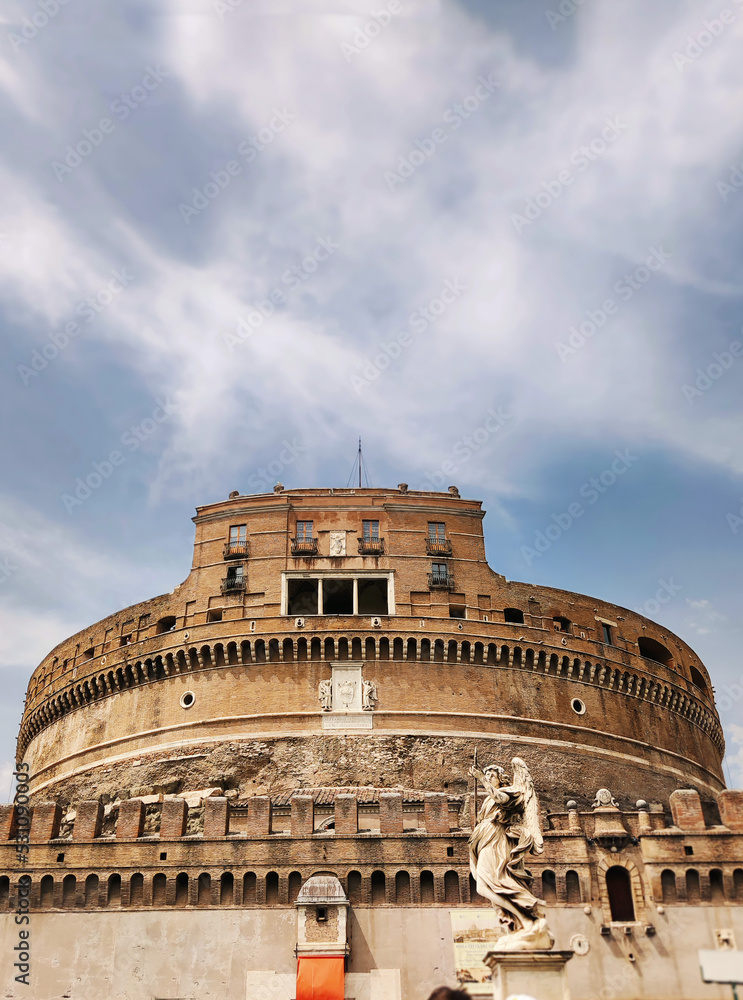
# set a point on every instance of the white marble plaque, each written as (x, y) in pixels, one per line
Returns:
(362, 720)
(347, 690)
(337, 543)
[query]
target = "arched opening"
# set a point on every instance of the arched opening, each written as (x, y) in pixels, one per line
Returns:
(288, 650)
(427, 893)
(668, 886)
(549, 887)
(46, 895)
(693, 894)
(4, 892)
(226, 889)
(272, 889)
(492, 654)
(412, 650)
(91, 891)
(738, 883)
(69, 885)
(651, 649)
(136, 889)
(301, 649)
(438, 651)
(250, 885)
(159, 887)
(260, 651)
(572, 887)
(698, 680)
(273, 651)
(451, 651)
(354, 887)
(384, 649)
(716, 886)
(204, 889)
(397, 649)
(475, 896)
(295, 884)
(425, 650)
(315, 649)
(515, 616)
(343, 648)
(371, 649)
(402, 888)
(113, 895)
(181, 889)
(619, 889)
(479, 652)
(356, 649)
(329, 649)
(465, 658)
(378, 888)
(451, 889)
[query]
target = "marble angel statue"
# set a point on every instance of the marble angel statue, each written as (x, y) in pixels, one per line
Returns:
(507, 829)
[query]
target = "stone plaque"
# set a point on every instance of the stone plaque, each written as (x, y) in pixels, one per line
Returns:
(364, 720)
(347, 690)
(337, 543)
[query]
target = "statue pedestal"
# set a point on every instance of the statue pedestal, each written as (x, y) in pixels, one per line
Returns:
(536, 973)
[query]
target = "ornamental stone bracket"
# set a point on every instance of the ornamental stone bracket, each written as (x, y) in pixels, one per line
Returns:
(347, 699)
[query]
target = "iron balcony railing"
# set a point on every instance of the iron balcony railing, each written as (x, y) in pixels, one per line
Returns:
(440, 581)
(235, 550)
(233, 584)
(438, 547)
(371, 546)
(304, 546)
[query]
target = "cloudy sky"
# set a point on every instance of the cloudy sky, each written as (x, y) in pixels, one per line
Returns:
(501, 239)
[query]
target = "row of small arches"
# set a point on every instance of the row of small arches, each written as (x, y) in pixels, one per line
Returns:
(688, 886)
(371, 648)
(226, 889)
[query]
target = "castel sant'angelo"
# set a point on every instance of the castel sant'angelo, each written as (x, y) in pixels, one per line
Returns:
(273, 762)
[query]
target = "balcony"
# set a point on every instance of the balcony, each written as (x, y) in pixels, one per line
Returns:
(304, 546)
(371, 546)
(233, 584)
(438, 547)
(440, 581)
(235, 550)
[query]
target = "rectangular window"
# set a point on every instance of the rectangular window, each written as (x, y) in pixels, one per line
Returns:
(238, 533)
(373, 597)
(302, 597)
(304, 531)
(439, 570)
(437, 531)
(337, 597)
(371, 531)
(235, 573)
(606, 629)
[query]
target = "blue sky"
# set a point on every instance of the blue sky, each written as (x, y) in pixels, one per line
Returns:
(502, 241)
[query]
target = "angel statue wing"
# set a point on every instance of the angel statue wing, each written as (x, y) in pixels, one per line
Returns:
(523, 780)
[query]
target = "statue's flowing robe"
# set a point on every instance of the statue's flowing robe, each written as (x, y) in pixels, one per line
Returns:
(498, 846)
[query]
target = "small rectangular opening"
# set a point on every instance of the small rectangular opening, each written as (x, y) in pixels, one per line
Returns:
(214, 615)
(606, 631)
(163, 855)
(688, 849)
(60, 857)
(322, 914)
(457, 611)
(125, 640)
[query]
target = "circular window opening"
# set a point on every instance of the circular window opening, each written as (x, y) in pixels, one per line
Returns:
(577, 706)
(187, 699)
